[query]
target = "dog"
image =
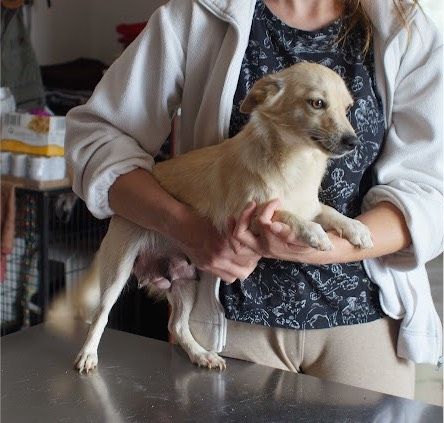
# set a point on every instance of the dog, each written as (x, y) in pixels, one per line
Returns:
(298, 121)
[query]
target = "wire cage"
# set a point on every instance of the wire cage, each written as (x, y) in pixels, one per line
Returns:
(56, 238)
(55, 241)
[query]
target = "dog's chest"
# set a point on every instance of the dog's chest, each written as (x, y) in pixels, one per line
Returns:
(298, 186)
(300, 199)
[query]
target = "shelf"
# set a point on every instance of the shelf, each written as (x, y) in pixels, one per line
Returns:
(35, 185)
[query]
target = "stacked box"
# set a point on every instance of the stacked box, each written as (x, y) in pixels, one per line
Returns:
(33, 134)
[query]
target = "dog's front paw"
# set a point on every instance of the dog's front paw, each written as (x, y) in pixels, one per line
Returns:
(209, 359)
(86, 361)
(315, 236)
(357, 233)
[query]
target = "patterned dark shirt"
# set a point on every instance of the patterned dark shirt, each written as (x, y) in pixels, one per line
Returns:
(294, 295)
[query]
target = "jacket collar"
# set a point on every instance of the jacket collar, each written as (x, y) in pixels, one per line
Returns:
(383, 15)
(237, 12)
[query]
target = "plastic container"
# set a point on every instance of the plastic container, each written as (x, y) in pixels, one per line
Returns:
(7, 101)
(19, 165)
(5, 162)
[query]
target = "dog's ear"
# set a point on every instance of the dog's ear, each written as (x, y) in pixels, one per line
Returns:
(263, 90)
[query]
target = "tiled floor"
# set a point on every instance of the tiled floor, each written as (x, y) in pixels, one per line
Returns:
(429, 380)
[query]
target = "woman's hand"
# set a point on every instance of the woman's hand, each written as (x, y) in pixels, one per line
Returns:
(213, 252)
(275, 240)
(154, 208)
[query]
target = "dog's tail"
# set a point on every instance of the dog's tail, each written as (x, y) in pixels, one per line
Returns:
(77, 304)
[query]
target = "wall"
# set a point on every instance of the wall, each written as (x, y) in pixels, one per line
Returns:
(59, 33)
(83, 28)
(86, 28)
(106, 14)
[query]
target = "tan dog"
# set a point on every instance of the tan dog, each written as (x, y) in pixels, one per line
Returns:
(298, 121)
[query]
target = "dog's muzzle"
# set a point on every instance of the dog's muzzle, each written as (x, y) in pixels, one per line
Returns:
(346, 144)
(349, 141)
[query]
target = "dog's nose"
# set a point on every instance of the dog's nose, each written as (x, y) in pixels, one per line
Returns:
(350, 141)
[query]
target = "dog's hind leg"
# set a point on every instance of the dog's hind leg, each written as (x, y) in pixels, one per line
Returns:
(181, 298)
(116, 258)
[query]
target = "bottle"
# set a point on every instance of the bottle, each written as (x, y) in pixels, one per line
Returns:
(7, 101)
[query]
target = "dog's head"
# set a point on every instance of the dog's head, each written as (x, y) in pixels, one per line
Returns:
(308, 100)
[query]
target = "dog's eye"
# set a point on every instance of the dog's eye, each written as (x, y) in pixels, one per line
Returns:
(317, 104)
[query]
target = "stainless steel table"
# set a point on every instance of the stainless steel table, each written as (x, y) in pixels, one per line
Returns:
(143, 380)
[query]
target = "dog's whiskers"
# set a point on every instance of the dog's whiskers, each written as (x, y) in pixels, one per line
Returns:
(319, 134)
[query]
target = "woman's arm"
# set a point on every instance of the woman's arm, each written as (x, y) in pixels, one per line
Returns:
(389, 234)
(128, 117)
(409, 168)
(138, 197)
(111, 142)
(386, 223)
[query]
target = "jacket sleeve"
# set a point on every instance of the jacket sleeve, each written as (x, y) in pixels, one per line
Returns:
(128, 117)
(409, 170)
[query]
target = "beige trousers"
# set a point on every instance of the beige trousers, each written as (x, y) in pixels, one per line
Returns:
(362, 355)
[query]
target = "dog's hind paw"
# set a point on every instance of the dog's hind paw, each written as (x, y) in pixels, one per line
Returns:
(209, 359)
(86, 361)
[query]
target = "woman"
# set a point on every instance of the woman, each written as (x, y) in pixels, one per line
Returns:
(330, 314)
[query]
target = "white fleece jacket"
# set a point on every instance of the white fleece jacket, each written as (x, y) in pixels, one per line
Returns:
(189, 56)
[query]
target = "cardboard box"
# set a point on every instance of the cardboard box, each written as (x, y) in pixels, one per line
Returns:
(33, 134)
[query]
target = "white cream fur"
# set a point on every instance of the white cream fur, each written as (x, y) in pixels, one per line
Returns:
(274, 156)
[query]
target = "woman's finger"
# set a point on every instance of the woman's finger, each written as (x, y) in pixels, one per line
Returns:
(288, 235)
(266, 211)
(245, 217)
(242, 231)
(234, 243)
(284, 232)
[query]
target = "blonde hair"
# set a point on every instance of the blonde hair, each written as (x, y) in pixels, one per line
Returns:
(357, 16)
